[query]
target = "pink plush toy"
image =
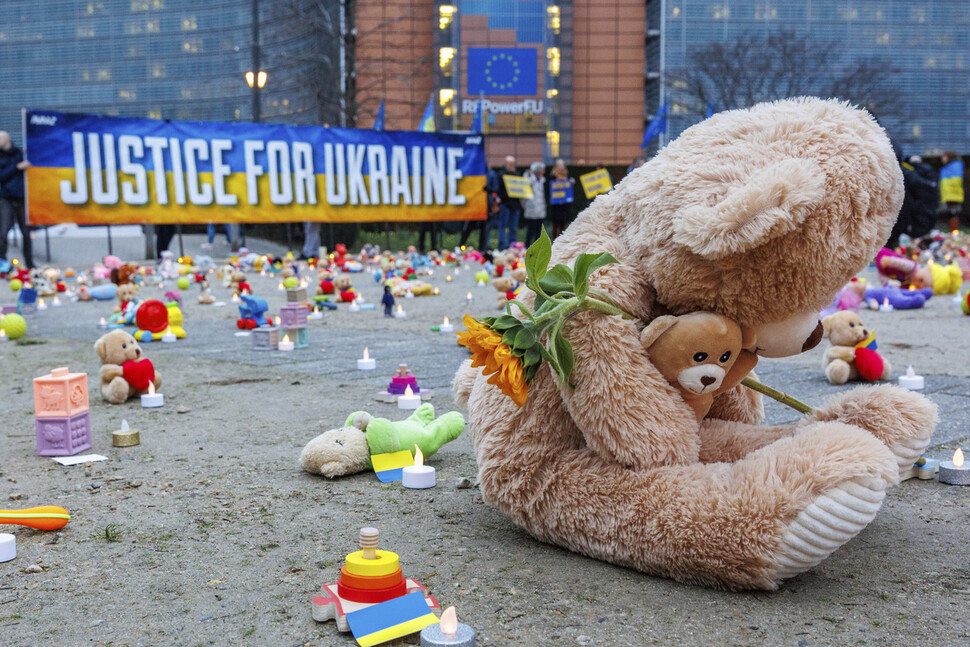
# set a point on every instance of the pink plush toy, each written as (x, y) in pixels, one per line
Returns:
(891, 265)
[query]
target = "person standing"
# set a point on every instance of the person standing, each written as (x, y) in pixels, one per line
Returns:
(12, 167)
(561, 212)
(509, 208)
(534, 210)
(951, 188)
(311, 240)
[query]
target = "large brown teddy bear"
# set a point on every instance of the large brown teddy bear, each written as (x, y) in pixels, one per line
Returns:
(125, 371)
(732, 217)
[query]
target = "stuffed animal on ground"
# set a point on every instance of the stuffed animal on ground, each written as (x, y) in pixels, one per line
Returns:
(123, 274)
(851, 297)
(168, 270)
(326, 282)
(695, 353)
(853, 352)
(127, 294)
(898, 298)
(125, 371)
(347, 450)
(343, 285)
(509, 285)
(239, 285)
(942, 279)
(731, 217)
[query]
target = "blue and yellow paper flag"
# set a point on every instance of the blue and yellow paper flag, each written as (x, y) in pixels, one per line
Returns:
(426, 125)
(392, 619)
(389, 467)
(869, 342)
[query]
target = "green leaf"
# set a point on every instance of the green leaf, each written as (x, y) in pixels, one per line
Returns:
(564, 352)
(524, 339)
(508, 337)
(504, 323)
(559, 279)
(533, 355)
(538, 255)
(521, 306)
(584, 266)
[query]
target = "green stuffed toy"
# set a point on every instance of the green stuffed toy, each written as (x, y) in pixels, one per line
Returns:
(347, 450)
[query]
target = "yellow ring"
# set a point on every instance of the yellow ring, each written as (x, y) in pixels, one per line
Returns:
(385, 564)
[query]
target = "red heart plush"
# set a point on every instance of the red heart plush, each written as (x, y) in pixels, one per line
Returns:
(868, 363)
(138, 374)
(347, 295)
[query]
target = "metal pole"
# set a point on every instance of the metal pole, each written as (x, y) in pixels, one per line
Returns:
(178, 229)
(110, 250)
(257, 104)
(149, 241)
(343, 66)
(387, 235)
(663, 63)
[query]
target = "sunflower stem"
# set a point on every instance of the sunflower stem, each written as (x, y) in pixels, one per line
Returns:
(775, 394)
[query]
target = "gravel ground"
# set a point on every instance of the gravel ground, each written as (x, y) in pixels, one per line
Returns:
(209, 533)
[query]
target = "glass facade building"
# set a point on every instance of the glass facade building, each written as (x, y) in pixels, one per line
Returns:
(927, 44)
(163, 59)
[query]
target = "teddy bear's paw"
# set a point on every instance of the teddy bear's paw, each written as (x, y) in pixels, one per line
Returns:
(903, 420)
(827, 523)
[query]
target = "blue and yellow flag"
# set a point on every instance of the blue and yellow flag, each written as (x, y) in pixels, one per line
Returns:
(426, 125)
(951, 182)
(477, 124)
(503, 71)
(386, 621)
(379, 119)
(869, 342)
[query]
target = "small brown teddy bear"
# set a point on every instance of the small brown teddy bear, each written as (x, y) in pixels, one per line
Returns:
(694, 353)
(125, 372)
(508, 285)
(126, 294)
(844, 360)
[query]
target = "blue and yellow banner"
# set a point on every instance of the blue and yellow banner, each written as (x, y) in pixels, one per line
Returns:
(107, 170)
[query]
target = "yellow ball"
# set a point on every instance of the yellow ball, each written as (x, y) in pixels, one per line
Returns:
(14, 325)
(15, 285)
(291, 282)
(183, 283)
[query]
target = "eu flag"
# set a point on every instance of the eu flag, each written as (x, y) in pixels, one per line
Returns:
(502, 70)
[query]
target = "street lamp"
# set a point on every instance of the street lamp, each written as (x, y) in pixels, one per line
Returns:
(259, 80)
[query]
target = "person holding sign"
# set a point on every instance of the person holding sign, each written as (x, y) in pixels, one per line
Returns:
(560, 198)
(535, 208)
(510, 209)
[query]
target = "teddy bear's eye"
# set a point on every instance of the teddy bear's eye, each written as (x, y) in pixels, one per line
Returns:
(124, 345)
(851, 325)
(700, 357)
(725, 357)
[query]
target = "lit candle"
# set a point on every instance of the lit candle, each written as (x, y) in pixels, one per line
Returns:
(911, 380)
(56, 302)
(954, 472)
(353, 306)
(436, 292)
(367, 363)
(277, 320)
(168, 336)
(409, 295)
(418, 476)
(469, 298)
(448, 278)
(448, 632)
(235, 297)
(281, 287)
(151, 399)
(446, 326)
(481, 283)
(457, 271)
(885, 307)
(399, 313)
(316, 313)
(125, 437)
(102, 325)
(3, 335)
(408, 400)
(285, 343)
(41, 305)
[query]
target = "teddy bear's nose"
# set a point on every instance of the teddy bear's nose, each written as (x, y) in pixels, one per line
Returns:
(137, 352)
(707, 380)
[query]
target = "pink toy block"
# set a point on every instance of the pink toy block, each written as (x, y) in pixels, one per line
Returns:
(293, 315)
(60, 394)
(63, 436)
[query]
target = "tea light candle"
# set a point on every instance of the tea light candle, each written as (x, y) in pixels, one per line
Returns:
(125, 437)
(399, 313)
(3, 335)
(102, 325)
(316, 314)
(151, 399)
(885, 307)
(436, 292)
(446, 326)
(41, 305)
(354, 307)
(277, 321)
(911, 380)
(448, 278)
(955, 472)
(8, 546)
(366, 363)
(448, 632)
(409, 295)
(285, 343)
(235, 297)
(481, 284)
(281, 287)
(469, 298)
(56, 302)
(418, 476)
(408, 400)
(168, 336)
(457, 271)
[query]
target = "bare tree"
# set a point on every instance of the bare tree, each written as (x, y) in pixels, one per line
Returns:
(756, 68)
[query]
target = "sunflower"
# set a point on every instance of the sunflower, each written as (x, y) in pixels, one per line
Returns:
(489, 352)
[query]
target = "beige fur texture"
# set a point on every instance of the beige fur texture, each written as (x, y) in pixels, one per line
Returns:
(732, 217)
(844, 330)
(114, 349)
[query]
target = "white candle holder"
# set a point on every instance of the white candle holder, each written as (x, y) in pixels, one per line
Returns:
(955, 472)
(911, 380)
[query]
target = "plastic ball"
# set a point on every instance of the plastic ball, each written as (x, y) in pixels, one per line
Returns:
(152, 315)
(965, 304)
(15, 285)
(183, 283)
(481, 277)
(291, 282)
(14, 325)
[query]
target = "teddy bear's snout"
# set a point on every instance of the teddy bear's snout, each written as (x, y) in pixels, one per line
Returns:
(707, 380)
(703, 378)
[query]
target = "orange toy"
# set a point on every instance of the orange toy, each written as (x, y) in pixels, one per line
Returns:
(44, 517)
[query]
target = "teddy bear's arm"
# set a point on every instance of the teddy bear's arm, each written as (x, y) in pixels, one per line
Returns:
(844, 353)
(110, 372)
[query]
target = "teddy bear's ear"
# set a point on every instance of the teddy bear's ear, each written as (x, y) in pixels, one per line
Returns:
(827, 325)
(657, 327)
(99, 347)
(770, 203)
(748, 337)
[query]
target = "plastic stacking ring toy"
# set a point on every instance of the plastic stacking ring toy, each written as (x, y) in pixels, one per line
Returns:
(385, 564)
(371, 583)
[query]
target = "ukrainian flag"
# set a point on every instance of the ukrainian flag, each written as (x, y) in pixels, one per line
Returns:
(386, 621)
(426, 125)
(869, 342)
(951, 182)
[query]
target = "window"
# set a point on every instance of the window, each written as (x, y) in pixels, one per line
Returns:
(85, 31)
(189, 24)
(552, 57)
(882, 39)
(128, 95)
(186, 93)
(154, 113)
(917, 130)
(139, 5)
(104, 74)
(158, 70)
(192, 45)
(152, 26)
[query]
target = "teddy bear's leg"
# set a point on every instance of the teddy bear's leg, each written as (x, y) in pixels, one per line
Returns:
(723, 441)
(901, 419)
(838, 371)
(886, 369)
(748, 524)
(157, 381)
(116, 391)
